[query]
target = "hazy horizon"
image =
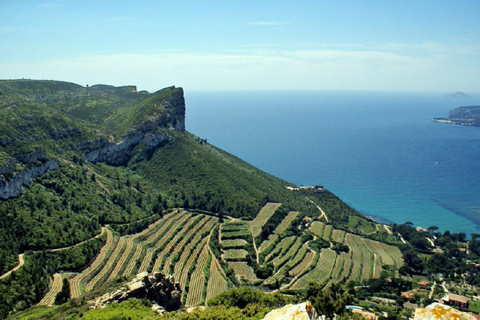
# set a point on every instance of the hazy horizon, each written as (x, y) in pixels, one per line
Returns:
(428, 46)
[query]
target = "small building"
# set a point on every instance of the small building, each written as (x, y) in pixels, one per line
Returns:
(457, 300)
(423, 283)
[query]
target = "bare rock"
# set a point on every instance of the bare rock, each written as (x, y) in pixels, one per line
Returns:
(61, 133)
(8, 168)
(11, 187)
(38, 154)
(301, 311)
(157, 287)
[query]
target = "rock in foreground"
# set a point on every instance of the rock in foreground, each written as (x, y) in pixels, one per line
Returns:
(301, 311)
(437, 311)
(157, 287)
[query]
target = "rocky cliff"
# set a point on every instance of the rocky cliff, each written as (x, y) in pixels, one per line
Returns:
(34, 163)
(144, 138)
(146, 118)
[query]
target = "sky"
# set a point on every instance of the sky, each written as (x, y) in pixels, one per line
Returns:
(216, 45)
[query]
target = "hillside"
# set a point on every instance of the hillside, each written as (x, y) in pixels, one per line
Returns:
(463, 116)
(100, 183)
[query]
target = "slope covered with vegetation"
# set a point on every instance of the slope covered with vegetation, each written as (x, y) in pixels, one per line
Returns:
(99, 183)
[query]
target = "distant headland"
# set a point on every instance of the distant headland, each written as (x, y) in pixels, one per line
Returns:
(456, 95)
(463, 116)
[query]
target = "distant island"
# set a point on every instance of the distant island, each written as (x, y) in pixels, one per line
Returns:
(458, 94)
(463, 116)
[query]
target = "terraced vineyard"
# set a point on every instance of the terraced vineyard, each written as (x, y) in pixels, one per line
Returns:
(243, 271)
(282, 247)
(235, 254)
(55, 287)
(236, 243)
(217, 282)
(266, 213)
(190, 253)
(196, 286)
(162, 238)
(317, 228)
(106, 268)
(175, 246)
(321, 271)
(179, 244)
(75, 283)
(278, 230)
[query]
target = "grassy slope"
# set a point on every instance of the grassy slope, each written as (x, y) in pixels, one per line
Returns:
(210, 178)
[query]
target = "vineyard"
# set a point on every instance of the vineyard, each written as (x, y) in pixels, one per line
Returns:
(266, 213)
(180, 244)
(278, 230)
(55, 288)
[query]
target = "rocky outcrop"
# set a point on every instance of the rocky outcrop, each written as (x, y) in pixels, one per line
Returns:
(7, 168)
(36, 163)
(61, 133)
(176, 108)
(437, 311)
(33, 157)
(103, 150)
(301, 311)
(144, 138)
(11, 187)
(157, 287)
(140, 142)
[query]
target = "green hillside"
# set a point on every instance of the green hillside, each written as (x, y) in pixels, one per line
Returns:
(99, 183)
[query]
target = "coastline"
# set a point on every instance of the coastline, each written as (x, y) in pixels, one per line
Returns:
(384, 162)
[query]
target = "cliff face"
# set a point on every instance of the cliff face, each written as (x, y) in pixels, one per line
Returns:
(102, 150)
(12, 181)
(145, 138)
(147, 120)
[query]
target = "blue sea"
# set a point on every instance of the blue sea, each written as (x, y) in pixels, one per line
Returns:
(379, 152)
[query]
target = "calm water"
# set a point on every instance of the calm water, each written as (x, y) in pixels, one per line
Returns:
(379, 152)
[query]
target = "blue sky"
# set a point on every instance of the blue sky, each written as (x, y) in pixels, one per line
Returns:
(245, 45)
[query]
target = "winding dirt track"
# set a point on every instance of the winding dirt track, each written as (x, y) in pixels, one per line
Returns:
(21, 260)
(18, 266)
(323, 214)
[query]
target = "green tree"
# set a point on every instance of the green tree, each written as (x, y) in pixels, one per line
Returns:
(64, 295)
(328, 301)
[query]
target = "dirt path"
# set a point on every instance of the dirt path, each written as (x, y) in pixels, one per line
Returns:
(255, 248)
(21, 260)
(430, 296)
(389, 230)
(80, 243)
(323, 214)
(18, 266)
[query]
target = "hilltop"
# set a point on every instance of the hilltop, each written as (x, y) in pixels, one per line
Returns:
(101, 183)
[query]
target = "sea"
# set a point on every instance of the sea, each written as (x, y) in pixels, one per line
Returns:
(378, 151)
